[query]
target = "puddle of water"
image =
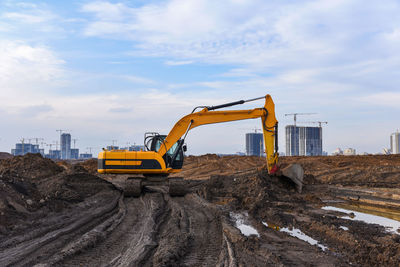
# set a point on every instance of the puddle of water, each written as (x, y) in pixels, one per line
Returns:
(245, 229)
(390, 225)
(344, 228)
(298, 234)
(390, 213)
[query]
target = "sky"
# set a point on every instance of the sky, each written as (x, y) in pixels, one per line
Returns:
(113, 70)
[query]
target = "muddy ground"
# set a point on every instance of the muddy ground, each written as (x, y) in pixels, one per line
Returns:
(234, 215)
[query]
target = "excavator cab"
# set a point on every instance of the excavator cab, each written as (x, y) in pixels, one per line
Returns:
(174, 156)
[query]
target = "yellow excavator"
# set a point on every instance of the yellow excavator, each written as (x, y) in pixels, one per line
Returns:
(164, 154)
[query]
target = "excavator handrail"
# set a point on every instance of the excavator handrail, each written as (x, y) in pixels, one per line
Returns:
(205, 116)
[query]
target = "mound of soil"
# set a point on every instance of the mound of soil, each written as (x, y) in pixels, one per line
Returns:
(275, 201)
(251, 190)
(371, 170)
(90, 165)
(202, 167)
(5, 155)
(30, 166)
(31, 186)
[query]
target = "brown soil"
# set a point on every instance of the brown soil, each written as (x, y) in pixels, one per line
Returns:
(76, 218)
(5, 155)
(371, 171)
(90, 165)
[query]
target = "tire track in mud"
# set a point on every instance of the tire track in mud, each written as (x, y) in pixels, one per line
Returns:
(158, 230)
(31, 248)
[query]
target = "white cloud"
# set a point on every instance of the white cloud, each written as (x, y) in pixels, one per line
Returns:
(27, 18)
(178, 63)
(26, 69)
(137, 79)
(385, 99)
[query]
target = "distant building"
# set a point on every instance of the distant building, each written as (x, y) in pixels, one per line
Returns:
(54, 154)
(337, 152)
(65, 142)
(130, 148)
(292, 140)
(303, 141)
(395, 143)
(136, 148)
(85, 156)
(349, 152)
(24, 148)
(74, 153)
(254, 144)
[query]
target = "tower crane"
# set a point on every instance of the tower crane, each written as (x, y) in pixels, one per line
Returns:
(319, 122)
(295, 116)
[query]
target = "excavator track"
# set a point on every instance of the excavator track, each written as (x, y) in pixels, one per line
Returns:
(133, 187)
(177, 187)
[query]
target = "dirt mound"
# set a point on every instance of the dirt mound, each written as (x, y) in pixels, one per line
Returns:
(251, 190)
(371, 170)
(202, 167)
(274, 202)
(90, 165)
(5, 155)
(31, 186)
(31, 166)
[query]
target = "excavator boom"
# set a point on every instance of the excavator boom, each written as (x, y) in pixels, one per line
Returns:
(205, 116)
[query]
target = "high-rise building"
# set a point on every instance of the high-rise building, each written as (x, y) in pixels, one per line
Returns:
(254, 144)
(136, 148)
(395, 143)
(54, 154)
(65, 142)
(303, 141)
(74, 153)
(85, 156)
(292, 140)
(24, 148)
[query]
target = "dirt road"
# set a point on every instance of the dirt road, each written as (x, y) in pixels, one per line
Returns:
(59, 214)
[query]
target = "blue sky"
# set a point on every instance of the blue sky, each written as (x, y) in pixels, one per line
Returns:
(112, 70)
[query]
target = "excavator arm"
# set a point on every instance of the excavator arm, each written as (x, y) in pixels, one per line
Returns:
(208, 116)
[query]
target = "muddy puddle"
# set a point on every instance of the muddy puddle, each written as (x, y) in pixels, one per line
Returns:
(369, 215)
(242, 224)
(296, 233)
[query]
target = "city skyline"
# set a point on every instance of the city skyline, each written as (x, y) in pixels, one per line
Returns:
(249, 145)
(118, 69)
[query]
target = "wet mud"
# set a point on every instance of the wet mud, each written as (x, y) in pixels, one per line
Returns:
(235, 214)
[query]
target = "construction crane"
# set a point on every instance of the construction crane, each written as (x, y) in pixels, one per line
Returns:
(60, 131)
(23, 143)
(74, 140)
(43, 144)
(90, 149)
(56, 143)
(319, 122)
(37, 139)
(255, 129)
(295, 116)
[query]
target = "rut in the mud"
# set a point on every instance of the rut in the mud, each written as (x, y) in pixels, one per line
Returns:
(65, 215)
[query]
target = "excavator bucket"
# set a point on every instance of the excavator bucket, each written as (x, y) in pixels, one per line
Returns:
(296, 174)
